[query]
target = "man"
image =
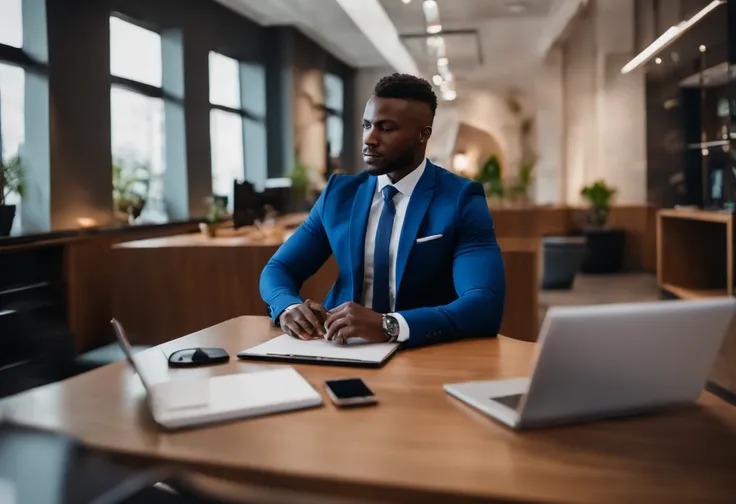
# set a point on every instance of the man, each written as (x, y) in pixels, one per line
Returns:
(417, 255)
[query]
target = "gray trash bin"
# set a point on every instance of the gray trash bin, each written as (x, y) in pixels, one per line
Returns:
(562, 257)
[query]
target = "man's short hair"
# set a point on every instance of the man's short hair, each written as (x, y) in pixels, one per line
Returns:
(407, 87)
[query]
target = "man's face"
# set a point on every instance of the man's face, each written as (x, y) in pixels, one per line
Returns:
(395, 132)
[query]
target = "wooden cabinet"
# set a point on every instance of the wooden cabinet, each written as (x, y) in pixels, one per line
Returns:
(695, 253)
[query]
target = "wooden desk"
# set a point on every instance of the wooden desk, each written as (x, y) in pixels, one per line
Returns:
(418, 444)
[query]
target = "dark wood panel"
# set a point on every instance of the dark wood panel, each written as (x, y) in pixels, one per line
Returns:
(521, 310)
(531, 221)
(164, 292)
(90, 282)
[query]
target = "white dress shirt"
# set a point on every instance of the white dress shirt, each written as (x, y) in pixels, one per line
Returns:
(405, 188)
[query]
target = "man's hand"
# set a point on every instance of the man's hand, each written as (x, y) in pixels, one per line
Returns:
(304, 321)
(352, 320)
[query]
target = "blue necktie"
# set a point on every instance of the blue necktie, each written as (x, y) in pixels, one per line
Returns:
(381, 301)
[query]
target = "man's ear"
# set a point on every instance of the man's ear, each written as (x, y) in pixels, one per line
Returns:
(424, 134)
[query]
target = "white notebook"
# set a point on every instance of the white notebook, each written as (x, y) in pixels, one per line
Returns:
(356, 353)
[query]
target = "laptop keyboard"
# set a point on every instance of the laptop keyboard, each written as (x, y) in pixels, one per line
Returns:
(512, 401)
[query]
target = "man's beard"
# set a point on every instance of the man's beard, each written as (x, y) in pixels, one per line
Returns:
(403, 160)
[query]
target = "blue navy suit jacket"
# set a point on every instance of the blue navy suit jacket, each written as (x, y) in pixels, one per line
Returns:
(448, 288)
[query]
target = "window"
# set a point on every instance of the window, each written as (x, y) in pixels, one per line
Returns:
(138, 122)
(224, 81)
(11, 26)
(12, 91)
(12, 123)
(135, 53)
(334, 96)
(226, 125)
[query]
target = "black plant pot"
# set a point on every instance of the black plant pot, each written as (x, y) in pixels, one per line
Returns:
(7, 214)
(604, 251)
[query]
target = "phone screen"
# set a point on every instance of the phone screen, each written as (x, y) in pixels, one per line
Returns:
(347, 389)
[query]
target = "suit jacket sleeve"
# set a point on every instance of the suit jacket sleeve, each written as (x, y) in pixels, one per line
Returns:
(296, 260)
(478, 275)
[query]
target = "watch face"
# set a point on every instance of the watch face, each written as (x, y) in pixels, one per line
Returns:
(391, 326)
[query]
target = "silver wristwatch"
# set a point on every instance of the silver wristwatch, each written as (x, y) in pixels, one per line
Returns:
(390, 328)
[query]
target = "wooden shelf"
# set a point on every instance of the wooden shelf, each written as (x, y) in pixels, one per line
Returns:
(686, 293)
(694, 214)
(695, 256)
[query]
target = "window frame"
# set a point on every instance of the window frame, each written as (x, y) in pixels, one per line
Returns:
(143, 89)
(137, 86)
(241, 112)
(19, 57)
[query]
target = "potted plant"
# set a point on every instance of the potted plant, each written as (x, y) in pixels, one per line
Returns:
(599, 195)
(605, 245)
(520, 189)
(129, 189)
(299, 185)
(217, 211)
(490, 176)
(12, 178)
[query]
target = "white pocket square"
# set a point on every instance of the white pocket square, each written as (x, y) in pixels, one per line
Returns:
(429, 238)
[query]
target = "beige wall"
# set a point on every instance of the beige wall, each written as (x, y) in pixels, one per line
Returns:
(604, 111)
(309, 122)
(549, 186)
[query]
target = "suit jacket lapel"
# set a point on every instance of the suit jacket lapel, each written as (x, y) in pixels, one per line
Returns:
(418, 205)
(358, 224)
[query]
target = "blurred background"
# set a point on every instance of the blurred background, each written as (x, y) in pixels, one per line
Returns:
(135, 130)
(154, 154)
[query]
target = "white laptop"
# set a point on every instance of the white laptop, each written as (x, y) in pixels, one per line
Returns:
(358, 352)
(609, 360)
(198, 401)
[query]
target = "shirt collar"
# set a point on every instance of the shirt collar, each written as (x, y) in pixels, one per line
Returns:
(407, 184)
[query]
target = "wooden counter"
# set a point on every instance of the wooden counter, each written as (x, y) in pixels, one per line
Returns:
(166, 287)
(638, 222)
(417, 445)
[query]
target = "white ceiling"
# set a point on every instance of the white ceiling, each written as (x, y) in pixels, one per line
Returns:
(461, 13)
(324, 21)
(496, 46)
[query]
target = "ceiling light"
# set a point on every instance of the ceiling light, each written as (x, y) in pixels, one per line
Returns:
(460, 161)
(658, 61)
(449, 95)
(517, 7)
(432, 16)
(436, 46)
(672, 33)
(431, 11)
(443, 62)
(406, 1)
(437, 79)
(702, 48)
(435, 41)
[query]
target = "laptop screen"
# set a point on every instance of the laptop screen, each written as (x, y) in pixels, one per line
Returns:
(128, 351)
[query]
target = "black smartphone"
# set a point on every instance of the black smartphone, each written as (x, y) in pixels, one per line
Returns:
(350, 392)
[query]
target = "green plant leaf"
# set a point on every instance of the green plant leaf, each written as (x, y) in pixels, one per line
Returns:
(13, 177)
